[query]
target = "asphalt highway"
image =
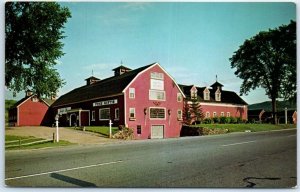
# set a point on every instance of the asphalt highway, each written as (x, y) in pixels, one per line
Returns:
(242, 160)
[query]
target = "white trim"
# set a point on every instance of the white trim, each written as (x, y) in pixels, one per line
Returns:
(125, 109)
(221, 104)
(25, 100)
(180, 114)
(215, 114)
(117, 119)
(94, 115)
(155, 64)
(158, 108)
(133, 89)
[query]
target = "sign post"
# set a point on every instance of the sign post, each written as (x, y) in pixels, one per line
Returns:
(56, 123)
(110, 123)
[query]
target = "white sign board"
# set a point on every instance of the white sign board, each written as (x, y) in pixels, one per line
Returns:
(64, 110)
(108, 102)
(157, 84)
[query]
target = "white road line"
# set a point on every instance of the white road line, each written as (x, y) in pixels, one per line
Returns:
(63, 170)
(291, 135)
(238, 143)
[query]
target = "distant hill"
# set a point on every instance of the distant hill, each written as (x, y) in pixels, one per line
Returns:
(8, 104)
(267, 105)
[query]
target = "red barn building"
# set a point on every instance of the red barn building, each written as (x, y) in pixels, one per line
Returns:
(30, 111)
(216, 102)
(146, 99)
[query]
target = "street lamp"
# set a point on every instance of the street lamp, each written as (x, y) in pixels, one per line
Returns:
(56, 123)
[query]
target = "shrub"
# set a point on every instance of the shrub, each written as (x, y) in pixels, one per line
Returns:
(207, 121)
(124, 133)
(239, 120)
(227, 119)
(216, 119)
(222, 120)
(233, 120)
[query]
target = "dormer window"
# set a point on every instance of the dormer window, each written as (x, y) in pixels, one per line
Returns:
(218, 95)
(206, 94)
(194, 92)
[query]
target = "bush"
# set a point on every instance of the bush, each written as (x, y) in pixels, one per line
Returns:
(233, 120)
(216, 119)
(222, 120)
(198, 131)
(227, 120)
(207, 121)
(125, 133)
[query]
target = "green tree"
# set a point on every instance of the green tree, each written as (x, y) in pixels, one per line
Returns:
(192, 111)
(33, 31)
(268, 60)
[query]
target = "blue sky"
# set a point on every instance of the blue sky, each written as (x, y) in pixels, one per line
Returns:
(191, 41)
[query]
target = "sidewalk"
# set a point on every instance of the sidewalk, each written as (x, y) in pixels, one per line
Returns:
(67, 134)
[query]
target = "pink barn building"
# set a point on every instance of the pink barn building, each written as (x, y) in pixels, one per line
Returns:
(216, 102)
(146, 99)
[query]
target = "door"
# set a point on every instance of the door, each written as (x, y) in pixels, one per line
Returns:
(85, 118)
(157, 131)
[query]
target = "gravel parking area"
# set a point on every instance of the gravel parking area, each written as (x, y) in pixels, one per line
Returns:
(67, 134)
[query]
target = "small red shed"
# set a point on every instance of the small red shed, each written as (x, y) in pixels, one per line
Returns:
(30, 111)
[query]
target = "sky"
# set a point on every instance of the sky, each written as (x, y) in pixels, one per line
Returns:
(191, 41)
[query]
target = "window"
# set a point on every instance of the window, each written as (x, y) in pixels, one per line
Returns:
(117, 114)
(179, 97)
(157, 113)
(218, 95)
(179, 114)
(206, 94)
(156, 75)
(104, 114)
(131, 93)
(157, 95)
(214, 114)
(34, 99)
(207, 115)
(193, 95)
(93, 115)
(132, 113)
(156, 84)
(228, 114)
(222, 114)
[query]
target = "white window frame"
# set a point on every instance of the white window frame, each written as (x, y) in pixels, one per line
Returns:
(218, 96)
(100, 114)
(131, 93)
(228, 114)
(156, 99)
(214, 114)
(130, 112)
(93, 118)
(157, 108)
(179, 97)
(117, 115)
(222, 114)
(207, 115)
(179, 114)
(157, 75)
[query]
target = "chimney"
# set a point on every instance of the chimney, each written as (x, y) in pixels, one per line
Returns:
(28, 93)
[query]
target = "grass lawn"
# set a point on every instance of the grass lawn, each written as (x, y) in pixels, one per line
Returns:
(10, 138)
(244, 127)
(101, 129)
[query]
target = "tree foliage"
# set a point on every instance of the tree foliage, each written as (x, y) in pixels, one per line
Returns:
(268, 60)
(33, 31)
(192, 112)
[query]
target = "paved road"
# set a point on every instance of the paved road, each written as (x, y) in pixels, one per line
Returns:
(265, 159)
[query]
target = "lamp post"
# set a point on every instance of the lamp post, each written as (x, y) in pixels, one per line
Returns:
(56, 123)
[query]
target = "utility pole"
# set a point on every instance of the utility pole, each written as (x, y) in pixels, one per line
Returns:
(285, 114)
(56, 123)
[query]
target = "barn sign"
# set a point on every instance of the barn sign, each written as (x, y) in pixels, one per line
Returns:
(108, 102)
